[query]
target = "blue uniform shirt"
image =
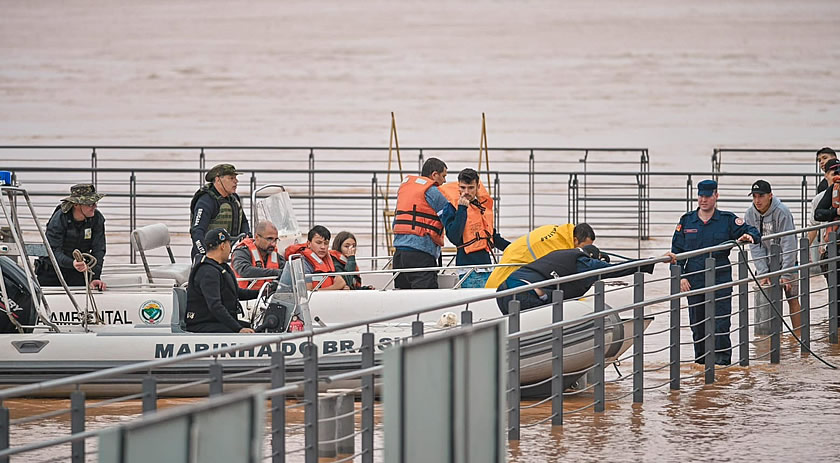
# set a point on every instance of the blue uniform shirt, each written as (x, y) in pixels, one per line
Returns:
(692, 234)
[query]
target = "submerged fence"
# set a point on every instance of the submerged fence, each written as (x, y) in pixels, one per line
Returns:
(660, 355)
(346, 188)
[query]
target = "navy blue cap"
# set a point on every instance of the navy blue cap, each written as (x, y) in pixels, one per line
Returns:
(706, 188)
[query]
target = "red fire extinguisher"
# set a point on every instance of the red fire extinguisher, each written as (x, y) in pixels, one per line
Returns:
(296, 324)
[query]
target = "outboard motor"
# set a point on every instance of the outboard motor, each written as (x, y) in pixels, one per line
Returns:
(277, 315)
(20, 298)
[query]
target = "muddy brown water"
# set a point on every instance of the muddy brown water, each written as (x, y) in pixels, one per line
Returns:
(679, 79)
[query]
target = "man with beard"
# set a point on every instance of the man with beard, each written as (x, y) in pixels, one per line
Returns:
(258, 257)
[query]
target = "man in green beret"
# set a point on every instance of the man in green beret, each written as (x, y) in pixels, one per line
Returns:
(216, 205)
(75, 224)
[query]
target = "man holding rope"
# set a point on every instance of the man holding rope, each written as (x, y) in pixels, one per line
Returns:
(76, 224)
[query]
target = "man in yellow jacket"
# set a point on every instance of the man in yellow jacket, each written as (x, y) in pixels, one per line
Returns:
(538, 243)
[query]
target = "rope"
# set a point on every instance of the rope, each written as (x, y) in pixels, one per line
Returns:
(90, 303)
(743, 252)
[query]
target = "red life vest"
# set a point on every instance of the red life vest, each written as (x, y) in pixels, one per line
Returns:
(414, 216)
(835, 203)
(256, 261)
(319, 265)
(478, 231)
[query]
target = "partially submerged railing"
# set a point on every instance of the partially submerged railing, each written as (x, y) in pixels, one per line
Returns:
(283, 432)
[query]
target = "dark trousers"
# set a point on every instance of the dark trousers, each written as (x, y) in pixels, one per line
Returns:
(697, 317)
(47, 277)
(527, 300)
(415, 280)
(215, 327)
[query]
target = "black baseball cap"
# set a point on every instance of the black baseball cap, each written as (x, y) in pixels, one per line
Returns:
(592, 251)
(217, 236)
(760, 187)
(832, 164)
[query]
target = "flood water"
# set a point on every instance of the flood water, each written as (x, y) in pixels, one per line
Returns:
(678, 78)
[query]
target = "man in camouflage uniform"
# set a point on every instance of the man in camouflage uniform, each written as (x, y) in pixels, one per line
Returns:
(75, 224)
(216, 205)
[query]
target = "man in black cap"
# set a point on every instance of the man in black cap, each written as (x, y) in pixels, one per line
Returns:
(704, 227)
(75, 224)
(216, 205)
(212, 293)
(557, 264)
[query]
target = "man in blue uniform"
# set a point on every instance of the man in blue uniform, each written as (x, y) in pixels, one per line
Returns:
(704, 227)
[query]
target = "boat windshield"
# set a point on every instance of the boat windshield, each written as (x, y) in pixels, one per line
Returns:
(278, 210)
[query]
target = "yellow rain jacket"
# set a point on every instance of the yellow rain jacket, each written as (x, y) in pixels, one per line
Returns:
(531, 247)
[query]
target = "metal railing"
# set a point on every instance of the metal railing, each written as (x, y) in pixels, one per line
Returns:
(280, 390)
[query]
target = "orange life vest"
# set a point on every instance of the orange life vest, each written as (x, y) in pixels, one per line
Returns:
(478, 231)
(414, 216)
(835, 203)
(319, 265)
(256, 261)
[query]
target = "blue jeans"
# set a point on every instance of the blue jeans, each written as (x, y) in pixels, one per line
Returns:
(476, 280)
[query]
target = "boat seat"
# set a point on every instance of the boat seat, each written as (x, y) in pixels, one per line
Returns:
(179, 309)
(153, 237)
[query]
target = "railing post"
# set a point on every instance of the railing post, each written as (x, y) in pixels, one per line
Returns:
(466, 317)
(310, 397)
(278, 406)
(557, 359)
(743, 311)
(373, 215)
(416, 329)
(638, 338)
(4, 431)
(202, 166)
(775, 305)
(513, 371)
(832, 288)
(93, 164)
(674, 318)
(253, 185)
(531, 191)
(709, 322)
(132, 215)
(311, 188)
(598, 369)
(77, 425)
(216, 379)
(805, 296)
(420, 160)
(367, 399)
(149, 394)
(689, 193)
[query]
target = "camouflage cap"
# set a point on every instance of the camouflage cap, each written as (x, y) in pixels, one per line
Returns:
(83, 193)
(219, 170)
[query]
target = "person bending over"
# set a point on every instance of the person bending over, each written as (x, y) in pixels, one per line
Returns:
(558, 264)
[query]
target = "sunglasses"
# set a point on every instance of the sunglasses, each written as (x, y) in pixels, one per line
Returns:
(270, 240)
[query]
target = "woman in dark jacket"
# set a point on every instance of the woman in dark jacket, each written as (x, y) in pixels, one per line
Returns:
(344, 257)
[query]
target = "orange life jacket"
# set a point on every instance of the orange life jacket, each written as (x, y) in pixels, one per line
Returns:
(835, 203)
(256, 261)
(414, 216)
(478, 231)
(319, 265)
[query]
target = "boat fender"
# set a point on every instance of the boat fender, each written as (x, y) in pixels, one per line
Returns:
(447, 320)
